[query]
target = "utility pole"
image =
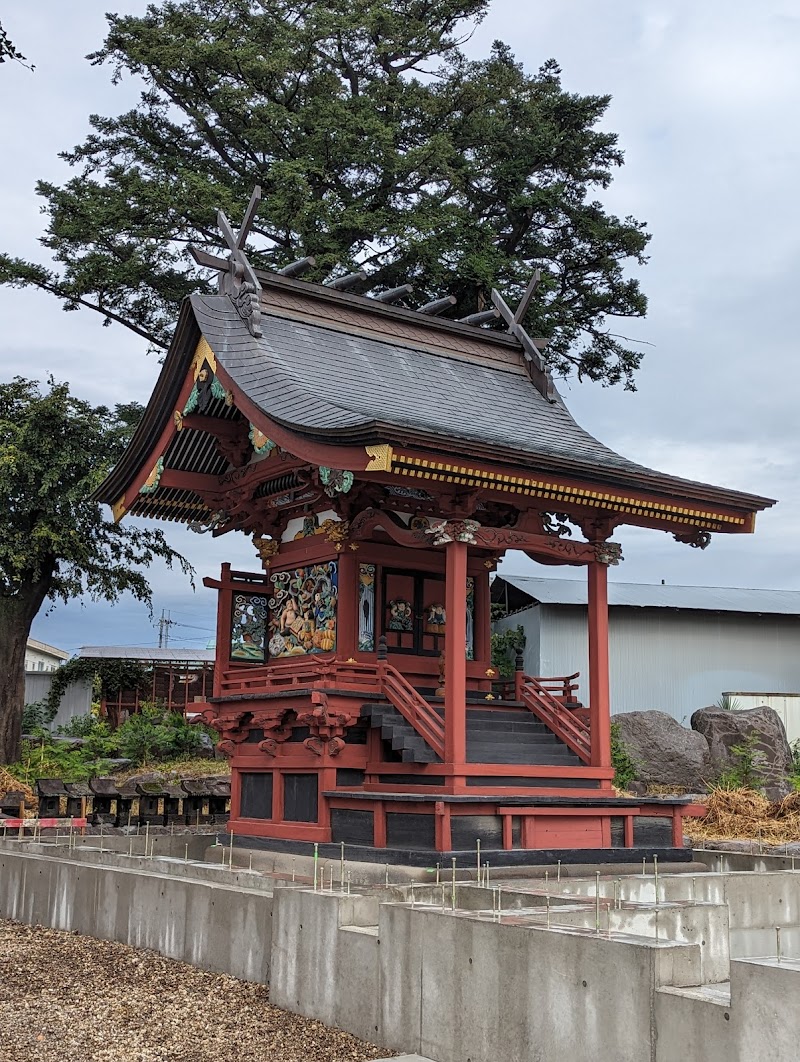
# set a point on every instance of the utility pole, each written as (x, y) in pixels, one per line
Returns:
(164, 625)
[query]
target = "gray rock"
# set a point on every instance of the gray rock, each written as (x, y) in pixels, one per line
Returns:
(665, 752)
(725, 730)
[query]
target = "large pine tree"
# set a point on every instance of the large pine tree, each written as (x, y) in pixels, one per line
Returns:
(377, 143)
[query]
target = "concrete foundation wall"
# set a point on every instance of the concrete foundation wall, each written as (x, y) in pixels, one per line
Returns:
(455, 986)
(213, 926)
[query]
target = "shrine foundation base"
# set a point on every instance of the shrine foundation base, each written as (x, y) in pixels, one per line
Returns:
(673, 967)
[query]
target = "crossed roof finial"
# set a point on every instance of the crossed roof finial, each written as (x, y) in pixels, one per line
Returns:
(239, 281)
(537, 366)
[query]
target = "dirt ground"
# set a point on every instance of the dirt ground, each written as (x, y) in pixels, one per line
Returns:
(67, 998)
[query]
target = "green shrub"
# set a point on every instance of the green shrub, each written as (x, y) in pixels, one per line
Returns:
(747, 770)
(46, 759)
(153, 735)
(625, 767)
(504, 649)
(36, 716)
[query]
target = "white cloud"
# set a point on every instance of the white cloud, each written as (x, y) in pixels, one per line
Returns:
(705, 99)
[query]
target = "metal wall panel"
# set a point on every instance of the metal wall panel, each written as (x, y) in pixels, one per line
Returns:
(671, 660)
(77, 699)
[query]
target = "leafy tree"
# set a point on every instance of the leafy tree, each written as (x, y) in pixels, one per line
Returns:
(55, 543)
(378, 144)
(8, 50)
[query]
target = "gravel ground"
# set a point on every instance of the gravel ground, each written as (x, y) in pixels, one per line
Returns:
(67, 998)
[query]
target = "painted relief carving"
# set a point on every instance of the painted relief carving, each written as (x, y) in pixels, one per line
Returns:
(261, 443)
(335, 480)
(150, 485)
(454, 531)
(248, 628)
(206, 388)
(366, 608)
(302, 610)
(435, 619)
(607, 552)
(401, 615)
(695, 539)
(310, 526)
(267, 548)
(335, 532)
(555, 524)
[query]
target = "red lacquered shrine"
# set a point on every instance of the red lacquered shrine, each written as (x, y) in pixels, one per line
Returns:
(383, 459)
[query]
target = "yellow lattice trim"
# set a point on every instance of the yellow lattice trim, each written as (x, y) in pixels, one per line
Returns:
(381, 457)
(448, 473)
(118, 509)
(203, 353)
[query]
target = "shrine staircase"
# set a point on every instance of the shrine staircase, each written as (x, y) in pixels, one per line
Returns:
(511, 735)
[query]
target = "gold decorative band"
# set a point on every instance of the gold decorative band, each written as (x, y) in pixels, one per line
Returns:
(450, 473)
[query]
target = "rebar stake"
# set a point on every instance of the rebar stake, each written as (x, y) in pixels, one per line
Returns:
(230, 858)
(186, 852)
(655, 877)
(316, 860)
(559, 871)
(778, 941)
(597, 902)
(478, 850)
(453, 892)
(341, 870)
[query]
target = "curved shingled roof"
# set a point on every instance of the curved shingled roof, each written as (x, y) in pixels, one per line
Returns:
(343, 369)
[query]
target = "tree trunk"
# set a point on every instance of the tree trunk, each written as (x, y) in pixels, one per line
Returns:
(17, 613)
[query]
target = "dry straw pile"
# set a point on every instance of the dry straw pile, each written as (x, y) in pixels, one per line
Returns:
(747, 814)
(9, 784)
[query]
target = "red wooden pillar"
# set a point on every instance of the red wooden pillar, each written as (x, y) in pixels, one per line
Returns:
(223, 645)
(482, 620)
(347, 620)
(455, 645)
(599, 700)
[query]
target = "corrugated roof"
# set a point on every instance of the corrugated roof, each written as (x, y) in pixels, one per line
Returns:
(656, 595)
(145, 653)
(43, 647)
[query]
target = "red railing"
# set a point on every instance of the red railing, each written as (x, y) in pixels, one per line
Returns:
(321, 673)
(412, 706)
(538, 696)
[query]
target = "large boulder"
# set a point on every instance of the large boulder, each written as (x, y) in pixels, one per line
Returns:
(665, 752)
(759, 731)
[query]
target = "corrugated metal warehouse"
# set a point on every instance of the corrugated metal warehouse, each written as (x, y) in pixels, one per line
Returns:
(673, 648)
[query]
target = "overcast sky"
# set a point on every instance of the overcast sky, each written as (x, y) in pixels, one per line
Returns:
(705, 101)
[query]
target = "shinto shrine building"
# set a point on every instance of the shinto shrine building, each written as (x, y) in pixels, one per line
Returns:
(383, 459)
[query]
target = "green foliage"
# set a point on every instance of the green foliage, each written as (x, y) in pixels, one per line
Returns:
(377, 144)
(36, 716)
(9, 51)
(108, 677)
(55, 542)
(151, 735)
(794, 776)
(504, 649)
(728, 703)
(747, 770)
(44, 758)
(625, 767)
(80, 726)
